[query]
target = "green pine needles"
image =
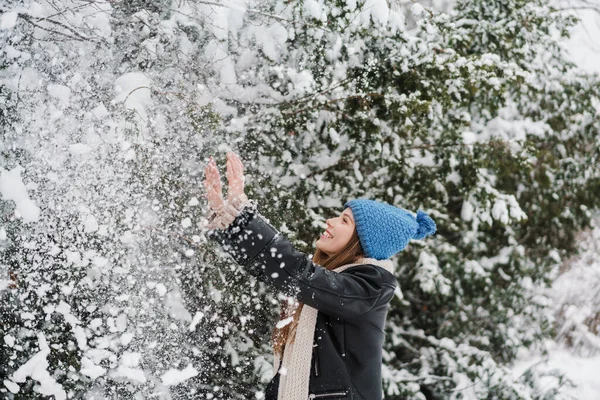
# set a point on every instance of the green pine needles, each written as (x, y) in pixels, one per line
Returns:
(474, 115)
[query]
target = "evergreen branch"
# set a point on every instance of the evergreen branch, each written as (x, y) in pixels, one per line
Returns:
(360, 97)
(277, 17)
(334, 166)
(409, 363)
(417, 147)
(427, 377)
(431, 14)
(264, 14)
(309, 97)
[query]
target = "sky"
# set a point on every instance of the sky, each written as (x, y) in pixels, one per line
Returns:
(584, 46)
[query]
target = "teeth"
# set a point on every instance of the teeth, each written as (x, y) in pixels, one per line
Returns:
(327, 235)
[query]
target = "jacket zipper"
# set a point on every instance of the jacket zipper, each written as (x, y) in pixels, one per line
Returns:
(324, 395)
(316, 357)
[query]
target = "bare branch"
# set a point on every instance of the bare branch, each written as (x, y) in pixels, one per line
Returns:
(590, 7)
(73, 31)
(137, 88)
(29, 19)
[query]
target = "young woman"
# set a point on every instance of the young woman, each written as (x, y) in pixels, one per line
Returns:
(328, 343)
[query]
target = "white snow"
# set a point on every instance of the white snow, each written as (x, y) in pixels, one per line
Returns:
(314, 9)
(467, 210)
(284, 322)
(81, 337)
(126, 338)
(134, 374)
(90, 369)
(197, 318)
(11, 386)
(65, 309)
(174, 376)
(133, 88)
(417, 10)
(581, 371)
(27, 315)
(575, 351)
(73, 122)
(12, 188)
(377, 10)
(36, 368)
(9, 340)
(100, 111)
(60, 92)
(8, 20)
(79, 149)
(90, 224)
(130, 359)
(161, 289)
(500, 211)
(429, 274)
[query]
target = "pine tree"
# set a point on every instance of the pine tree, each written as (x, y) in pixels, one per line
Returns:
(474, 116)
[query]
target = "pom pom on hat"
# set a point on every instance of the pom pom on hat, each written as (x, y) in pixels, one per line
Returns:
(426, 225)
(384, 229)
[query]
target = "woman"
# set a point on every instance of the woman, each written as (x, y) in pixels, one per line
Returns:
(328, 343)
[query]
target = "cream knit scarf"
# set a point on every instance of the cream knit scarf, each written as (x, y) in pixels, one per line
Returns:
(297, 356)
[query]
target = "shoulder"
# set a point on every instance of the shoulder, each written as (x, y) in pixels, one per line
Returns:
(375, 271)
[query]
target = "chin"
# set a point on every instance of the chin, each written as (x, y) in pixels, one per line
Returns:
(323, 250)
(318, 246)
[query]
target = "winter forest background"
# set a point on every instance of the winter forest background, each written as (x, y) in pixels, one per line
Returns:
(483, 113)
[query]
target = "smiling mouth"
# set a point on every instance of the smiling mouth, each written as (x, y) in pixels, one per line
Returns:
(327, 235)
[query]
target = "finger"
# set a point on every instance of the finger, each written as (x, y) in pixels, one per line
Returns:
(213, 178)
(231, 159)
(210, 176)
(239, 169)
(239, 165)
(230, 170)
(214, 171)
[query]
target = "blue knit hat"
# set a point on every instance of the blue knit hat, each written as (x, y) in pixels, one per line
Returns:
(384, 230)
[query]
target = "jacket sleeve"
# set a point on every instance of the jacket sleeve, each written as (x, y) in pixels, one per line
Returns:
(268, 255)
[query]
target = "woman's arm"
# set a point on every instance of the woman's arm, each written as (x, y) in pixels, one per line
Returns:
(268, 255)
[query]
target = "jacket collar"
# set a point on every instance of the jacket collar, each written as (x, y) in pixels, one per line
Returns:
(387, 264)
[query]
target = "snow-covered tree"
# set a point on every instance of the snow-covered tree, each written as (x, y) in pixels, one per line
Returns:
(108, 111)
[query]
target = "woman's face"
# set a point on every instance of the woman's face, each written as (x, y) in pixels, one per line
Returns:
(338, 233)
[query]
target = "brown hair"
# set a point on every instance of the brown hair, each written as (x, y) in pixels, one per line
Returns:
(351, 252)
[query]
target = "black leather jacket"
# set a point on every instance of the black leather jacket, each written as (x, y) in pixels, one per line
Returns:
(352, 305)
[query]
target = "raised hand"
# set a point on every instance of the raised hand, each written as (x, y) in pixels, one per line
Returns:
(212, 184)
(235, 176)
(235, 179)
